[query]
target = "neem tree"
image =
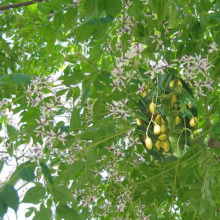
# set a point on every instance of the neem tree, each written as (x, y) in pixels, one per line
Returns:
(75, 75)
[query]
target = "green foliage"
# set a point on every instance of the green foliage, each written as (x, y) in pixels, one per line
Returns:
(74, 77)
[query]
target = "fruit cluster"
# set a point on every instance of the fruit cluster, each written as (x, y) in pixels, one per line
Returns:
(167, 118)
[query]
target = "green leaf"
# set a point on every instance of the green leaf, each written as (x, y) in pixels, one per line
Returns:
(15, 176)
(27, 174)
(216, 128)
(62, 193)
(46, 172)
(21, 79)
(12, 132)
(44, 213)
(75, 121)
(61, 92)
(3, 206)
(71, 170)
(1, 165)
(176, 139)
(70, 19)
(162, 10)
(84, 32)
(97, 107)
(10, 197)
(85, 95)
(34, 195)
(113, 7)
(76, 93)
(172, 13)
(90, 8)
(64, 211)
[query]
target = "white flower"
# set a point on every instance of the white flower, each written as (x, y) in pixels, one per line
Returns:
(213, 47)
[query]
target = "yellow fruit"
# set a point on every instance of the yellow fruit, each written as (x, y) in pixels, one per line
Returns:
(179, 83)
(172, 83)
(163, 137)
(193, 121)
(148, 143)
(152, 107)
(158, 144)
(146, 87)
(144, 93)
(195, 132)
(162, 121)
(156, 129)
(166, 146)
(158, 119)
(139, 123)
(173, 100)
(191, 136)
(177, 120)
(190, 105)
(163, 129)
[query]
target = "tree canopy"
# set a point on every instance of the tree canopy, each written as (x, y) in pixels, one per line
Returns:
(77, 77)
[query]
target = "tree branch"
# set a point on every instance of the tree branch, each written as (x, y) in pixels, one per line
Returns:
(21, 4)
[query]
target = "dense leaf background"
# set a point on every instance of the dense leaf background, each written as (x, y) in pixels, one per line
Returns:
(71, 75)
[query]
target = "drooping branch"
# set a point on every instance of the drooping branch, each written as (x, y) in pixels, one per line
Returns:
(18, 5)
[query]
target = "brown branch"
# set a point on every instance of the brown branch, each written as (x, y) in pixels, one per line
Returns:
(21, 4)
(213, 143)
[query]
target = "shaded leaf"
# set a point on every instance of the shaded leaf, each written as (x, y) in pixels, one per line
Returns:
(12, 132)
(44, 213)
(64, 211)
(62, 193)
(46, 172)
(27, 174)
(85, 95)
(75, 121)
(113, 7)
(3, 206)
(34, 195)
(10, 197)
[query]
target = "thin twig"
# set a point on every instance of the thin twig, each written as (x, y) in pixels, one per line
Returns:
(18, 5)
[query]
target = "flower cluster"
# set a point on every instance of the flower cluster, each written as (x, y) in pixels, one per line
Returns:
(195, 72)
(34, 91)
(117, 109)
(48, 136)
(140, 212)
(124, 198)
